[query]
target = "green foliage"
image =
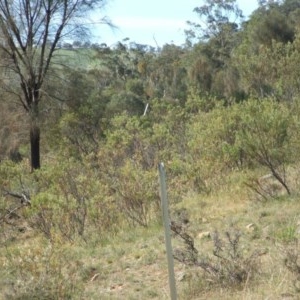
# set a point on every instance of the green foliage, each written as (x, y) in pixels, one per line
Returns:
(226, 105)
(266, 124)
(165, 74)
(219, 20)
(269, 70)
(200, 72)
(72, 202)
(287, 234)
(125, 102)
(68, 200)
(209, 62)
(128, 163)
(196, 103)
(274, 21)
(76, 135)
(213, 144)
(135, 86)
(136, 193)
(265, 136)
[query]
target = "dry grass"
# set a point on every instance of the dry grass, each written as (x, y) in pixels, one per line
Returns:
(132, 264)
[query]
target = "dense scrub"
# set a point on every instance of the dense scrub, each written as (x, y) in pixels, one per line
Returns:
(222, 114)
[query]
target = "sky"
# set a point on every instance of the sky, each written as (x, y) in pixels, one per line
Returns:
(152, 22)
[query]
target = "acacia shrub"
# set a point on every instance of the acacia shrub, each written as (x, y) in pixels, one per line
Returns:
(266, 136)
(213, 144)
(70, 202)
(131, 151)
(250, 134)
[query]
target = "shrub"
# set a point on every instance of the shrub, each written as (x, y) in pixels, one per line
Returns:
(227, 266)
(265, 137)
(72, 200)
(41, 272)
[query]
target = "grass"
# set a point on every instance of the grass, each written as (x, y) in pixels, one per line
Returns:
(78, 58)
(132, 264)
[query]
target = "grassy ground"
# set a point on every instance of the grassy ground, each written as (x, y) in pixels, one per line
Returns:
(77, 58)
(132, 264)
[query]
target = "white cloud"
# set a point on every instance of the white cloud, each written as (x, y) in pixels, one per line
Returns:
(148, 23)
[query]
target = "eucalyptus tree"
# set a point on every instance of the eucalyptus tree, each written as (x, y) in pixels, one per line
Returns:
(268, 55)
(218, 21)
(31, 31)
(273, 21)
(213, 37)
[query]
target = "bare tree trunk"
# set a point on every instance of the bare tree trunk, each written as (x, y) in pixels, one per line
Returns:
(35, 146)
(35, 136)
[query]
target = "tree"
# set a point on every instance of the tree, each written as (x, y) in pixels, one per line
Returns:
(31, 32)
(273, 20)
(167, 74)
(268, 55)
(219, 20)
(217, 34)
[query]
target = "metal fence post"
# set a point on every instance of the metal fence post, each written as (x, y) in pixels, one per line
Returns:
(166, 221)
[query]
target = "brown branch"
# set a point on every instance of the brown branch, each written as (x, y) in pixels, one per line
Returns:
(24, 198)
